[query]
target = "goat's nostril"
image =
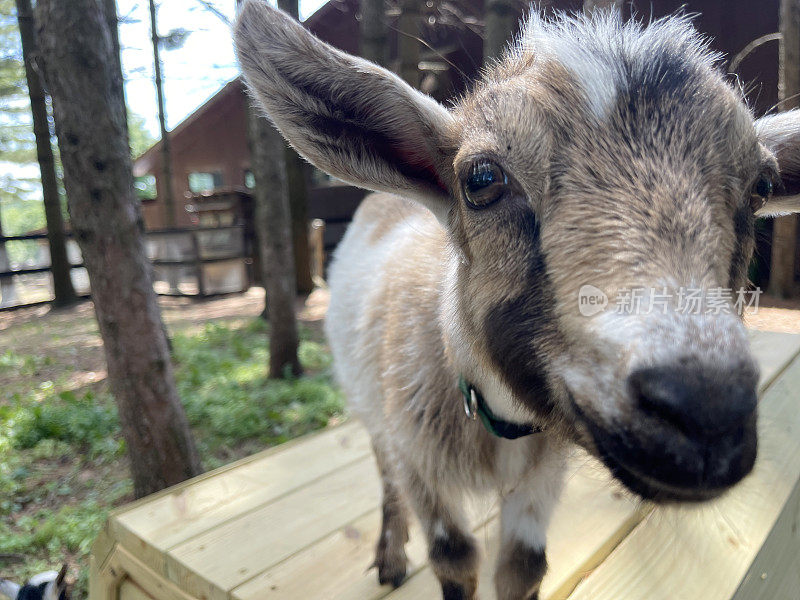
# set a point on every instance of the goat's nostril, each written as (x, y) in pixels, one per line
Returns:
(698, 400)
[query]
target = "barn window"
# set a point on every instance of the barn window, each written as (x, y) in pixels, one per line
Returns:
(204, 181)
(145, 187)
(249, 179)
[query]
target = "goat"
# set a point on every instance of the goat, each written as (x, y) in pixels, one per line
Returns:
(595, 153)
(50, 585)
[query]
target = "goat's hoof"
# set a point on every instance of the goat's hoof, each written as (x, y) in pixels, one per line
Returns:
(391, 569)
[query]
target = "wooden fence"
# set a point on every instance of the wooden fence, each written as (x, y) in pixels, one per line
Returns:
(199, 262)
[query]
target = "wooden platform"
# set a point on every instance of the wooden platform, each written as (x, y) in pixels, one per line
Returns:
(299, 522)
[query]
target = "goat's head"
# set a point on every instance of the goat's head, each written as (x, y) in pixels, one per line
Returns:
(596, 156)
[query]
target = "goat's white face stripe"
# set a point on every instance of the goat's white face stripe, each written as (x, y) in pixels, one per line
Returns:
(495, 391)
(599, 80)
(624, 343)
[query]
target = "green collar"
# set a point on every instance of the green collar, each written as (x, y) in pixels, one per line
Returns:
(475, 406)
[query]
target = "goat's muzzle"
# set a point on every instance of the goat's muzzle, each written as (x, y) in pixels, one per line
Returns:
(690, 433)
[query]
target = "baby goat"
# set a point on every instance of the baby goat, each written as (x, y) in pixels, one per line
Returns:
(596, 156)
(50, 585)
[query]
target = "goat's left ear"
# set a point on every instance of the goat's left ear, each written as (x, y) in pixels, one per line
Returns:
(349, 117)
(780, 133)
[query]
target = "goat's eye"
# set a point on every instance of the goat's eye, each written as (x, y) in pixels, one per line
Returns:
(762, 191)
(485, 184)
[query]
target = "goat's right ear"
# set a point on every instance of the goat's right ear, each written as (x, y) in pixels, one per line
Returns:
(347, 116)
(780, 133)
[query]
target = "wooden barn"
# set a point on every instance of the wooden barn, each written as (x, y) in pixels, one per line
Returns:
(210, 150)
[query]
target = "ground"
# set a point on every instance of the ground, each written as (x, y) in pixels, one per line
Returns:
(62, 461)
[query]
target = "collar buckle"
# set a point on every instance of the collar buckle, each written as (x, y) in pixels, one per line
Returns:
(471, 404)
(475, 407)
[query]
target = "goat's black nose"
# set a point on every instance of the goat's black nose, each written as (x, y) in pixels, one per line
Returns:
(699, 400)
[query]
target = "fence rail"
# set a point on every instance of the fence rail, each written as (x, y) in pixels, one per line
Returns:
(196, 261)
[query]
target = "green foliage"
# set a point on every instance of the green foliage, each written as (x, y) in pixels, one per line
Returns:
(84, 422)
(21, 209)
(62, 464)
(222, 378)
(71, 528)
(140, 137)
(16, 133)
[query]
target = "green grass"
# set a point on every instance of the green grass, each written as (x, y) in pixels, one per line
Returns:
(62, 458)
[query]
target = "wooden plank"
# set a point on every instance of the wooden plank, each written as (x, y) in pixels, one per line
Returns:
(102, 548)
(591, 520)
(336, 567)
(215, 562)
(123, 566)
(591, 516)
(262, 516)
(773, 351)
(96, 588)
(130, 591)
(705, 552)
(775, 573)
(345, 428)
(149, 529)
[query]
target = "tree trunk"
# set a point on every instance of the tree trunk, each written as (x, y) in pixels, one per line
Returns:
(590, 6)
(166, 152)
(784, 229)
(273, 228)
(8, 293)
(502, 21)
(63, 292)
(110, 8)
(273, 232)
(78, 56)
(373, 31)
(298, 196)
(408, 41)
(298, 207)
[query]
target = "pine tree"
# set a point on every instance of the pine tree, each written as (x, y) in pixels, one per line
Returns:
(78, 51)
(63, 292)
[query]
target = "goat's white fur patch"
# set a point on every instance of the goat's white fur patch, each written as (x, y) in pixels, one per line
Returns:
(9, 589)
(526, 510)
(590, 47)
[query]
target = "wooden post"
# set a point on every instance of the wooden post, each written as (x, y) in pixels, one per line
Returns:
(316, 239)
(8, 293)
(784, 229)
(166, 153)
(296, 170)
(373, 31)
(408, 41)
(198, 265)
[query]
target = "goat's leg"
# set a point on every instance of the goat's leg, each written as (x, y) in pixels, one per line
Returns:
(390, 555)
(452, 549)
(525, 515)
